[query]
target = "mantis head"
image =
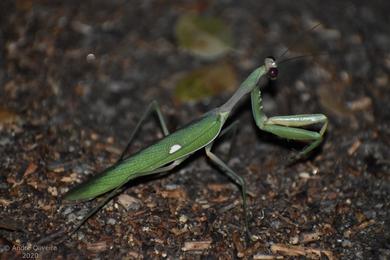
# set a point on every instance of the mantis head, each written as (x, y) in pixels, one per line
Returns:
(271, 67)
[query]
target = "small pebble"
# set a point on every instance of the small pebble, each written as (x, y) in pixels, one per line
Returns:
(53, 191)
(129, 203)
(294, 240)
(346, 243)
(183, 219)
(91, 58)
(111, 221)
(304, 175)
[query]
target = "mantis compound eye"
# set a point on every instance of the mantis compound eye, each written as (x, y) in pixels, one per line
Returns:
(271, 67)
(273, 73)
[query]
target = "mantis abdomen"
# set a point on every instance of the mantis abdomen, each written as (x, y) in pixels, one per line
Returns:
(174, 146)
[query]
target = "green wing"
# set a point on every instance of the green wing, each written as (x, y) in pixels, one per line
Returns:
(176, 145)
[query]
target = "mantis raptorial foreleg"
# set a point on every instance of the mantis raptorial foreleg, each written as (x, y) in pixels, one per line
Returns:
(152, 107)
(287, 127)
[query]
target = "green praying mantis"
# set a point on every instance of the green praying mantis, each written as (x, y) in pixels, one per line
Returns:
(174, 148)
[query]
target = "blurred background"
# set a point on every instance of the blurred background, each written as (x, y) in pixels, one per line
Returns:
(75, 76)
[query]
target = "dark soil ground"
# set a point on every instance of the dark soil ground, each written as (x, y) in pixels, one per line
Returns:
(65, 117)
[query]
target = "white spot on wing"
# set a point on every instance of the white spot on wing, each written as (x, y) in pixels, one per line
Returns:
(174, 148)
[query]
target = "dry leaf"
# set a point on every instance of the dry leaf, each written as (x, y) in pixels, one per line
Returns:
(205, 82)
(207, 37)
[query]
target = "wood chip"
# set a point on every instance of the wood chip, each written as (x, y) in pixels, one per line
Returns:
(8, 117)
(354, 147)
(238, 244)
(310, 237)
(178, 194)
(266, 257)
(219, 199)
(97, 247)
(178, 232)
(301, 251)
(31, 168)
(113, 149)
(357, 228)
(360, 104)
(196, 245)
(365, 224)
(218, 187)
(4, 202)
(71, 178)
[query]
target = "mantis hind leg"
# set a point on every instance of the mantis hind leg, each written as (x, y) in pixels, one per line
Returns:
(288, 127)
(152, 107)
(120, 188)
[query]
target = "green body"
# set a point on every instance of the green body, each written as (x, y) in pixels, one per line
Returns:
(191, 138)
(176, 147)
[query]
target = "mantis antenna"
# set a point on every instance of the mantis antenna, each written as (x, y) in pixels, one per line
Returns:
(296, 40)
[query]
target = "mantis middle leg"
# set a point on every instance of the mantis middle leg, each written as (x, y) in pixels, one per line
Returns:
(152, 107)
(231, 174)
